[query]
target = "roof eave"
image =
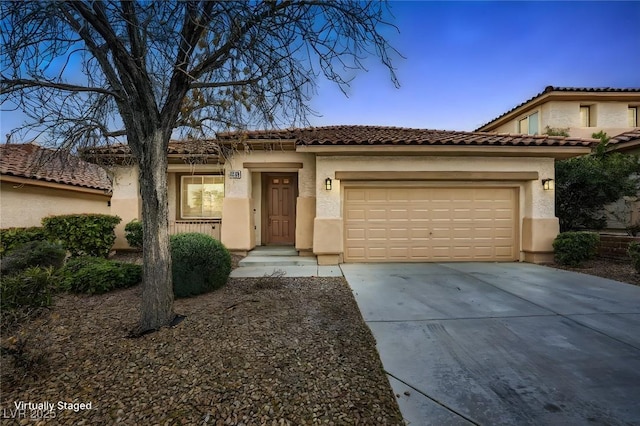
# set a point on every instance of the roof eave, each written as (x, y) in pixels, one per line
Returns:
(558, 152)
(20, 180)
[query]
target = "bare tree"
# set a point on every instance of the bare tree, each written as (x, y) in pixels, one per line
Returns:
(93, 72)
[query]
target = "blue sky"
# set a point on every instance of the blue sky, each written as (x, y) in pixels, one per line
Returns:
(468, 62)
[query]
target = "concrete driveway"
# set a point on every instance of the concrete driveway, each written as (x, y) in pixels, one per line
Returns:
(503, 343)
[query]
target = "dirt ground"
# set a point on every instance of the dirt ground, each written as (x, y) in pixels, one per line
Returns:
(618, 270)
(259, 351)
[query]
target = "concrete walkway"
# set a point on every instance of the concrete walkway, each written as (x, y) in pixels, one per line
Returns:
(503, 344)
(267, 260)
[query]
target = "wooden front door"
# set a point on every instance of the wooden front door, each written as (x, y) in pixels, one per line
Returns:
(280, 203)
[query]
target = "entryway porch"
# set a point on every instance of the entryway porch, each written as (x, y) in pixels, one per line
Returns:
(267, 260)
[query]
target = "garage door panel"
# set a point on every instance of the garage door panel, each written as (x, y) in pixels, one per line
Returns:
(400, 195)
(356, 234)
(373, 195)
(398, 214)
(377, 253)
(355, 214)
(356, 253)
(399, 234)
(430, 224)
(354, 195)
(418, 234)
(398, 253)
(377, 234)
(376, 214)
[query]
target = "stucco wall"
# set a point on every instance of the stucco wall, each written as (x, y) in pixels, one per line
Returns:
(537, 222)
(539, 203)
(172, 182)
(125, 201)
(26, 205)
(611, 117)
(241, 188)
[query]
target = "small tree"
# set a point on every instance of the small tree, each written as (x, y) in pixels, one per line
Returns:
(584, 185)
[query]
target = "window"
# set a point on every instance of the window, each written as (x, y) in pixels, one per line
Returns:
(633, 116)
(529, 124)
(201, 196)
(585, 116)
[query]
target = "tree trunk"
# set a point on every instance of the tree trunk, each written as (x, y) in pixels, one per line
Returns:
(157, 286)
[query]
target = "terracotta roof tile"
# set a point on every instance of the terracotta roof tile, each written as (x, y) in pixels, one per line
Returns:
(35, 162)
(378, 135)
(185, 147)
(625, 137)
(625, 142)
(549, 89)
(353, 135)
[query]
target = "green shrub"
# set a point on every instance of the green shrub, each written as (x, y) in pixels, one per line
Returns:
(634, 253)
(83, 234)
(31, 288)
(200, 264)
(32, 254)
(133, 233)
(573, 248)
(97, 275)
(13, 237)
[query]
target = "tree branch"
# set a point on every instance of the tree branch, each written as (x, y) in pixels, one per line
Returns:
(213, 84)
(12, 85)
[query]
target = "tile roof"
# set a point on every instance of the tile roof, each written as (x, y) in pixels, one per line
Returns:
(32, 161)
(550, 89)
(623, 142)
(184, 147)
(398, 136)
(348, 135)
(625, 137)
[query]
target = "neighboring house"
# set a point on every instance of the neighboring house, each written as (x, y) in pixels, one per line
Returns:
(37, 182)
(581, 111)
(625, 213)
(362, 193)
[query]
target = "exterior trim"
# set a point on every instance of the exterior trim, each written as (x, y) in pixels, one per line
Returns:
(449, 150)
(444, 176)
(54, 185)
(263, 165)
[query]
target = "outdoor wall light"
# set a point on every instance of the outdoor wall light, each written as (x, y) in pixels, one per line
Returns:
(548, 184)
(327, 184)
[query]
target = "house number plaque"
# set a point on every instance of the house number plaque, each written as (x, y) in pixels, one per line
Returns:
(235, 174)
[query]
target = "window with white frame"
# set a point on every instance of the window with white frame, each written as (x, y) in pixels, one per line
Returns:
(586, 119)
(529, 124)
(201, 196)
(633, 116)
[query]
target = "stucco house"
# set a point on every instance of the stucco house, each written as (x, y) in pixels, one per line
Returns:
(362, 193)
(581, 111)
(36, 182)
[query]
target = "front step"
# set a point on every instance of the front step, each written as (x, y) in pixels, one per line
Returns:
(274, 256)
(273, 251)
(277, 261)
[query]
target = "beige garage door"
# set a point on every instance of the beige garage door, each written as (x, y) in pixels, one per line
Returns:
(430, 224)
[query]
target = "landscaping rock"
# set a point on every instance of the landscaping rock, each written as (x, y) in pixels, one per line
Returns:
(296, 353)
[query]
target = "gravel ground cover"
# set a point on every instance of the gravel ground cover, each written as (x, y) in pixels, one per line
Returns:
(259, 351)
(607, 268)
